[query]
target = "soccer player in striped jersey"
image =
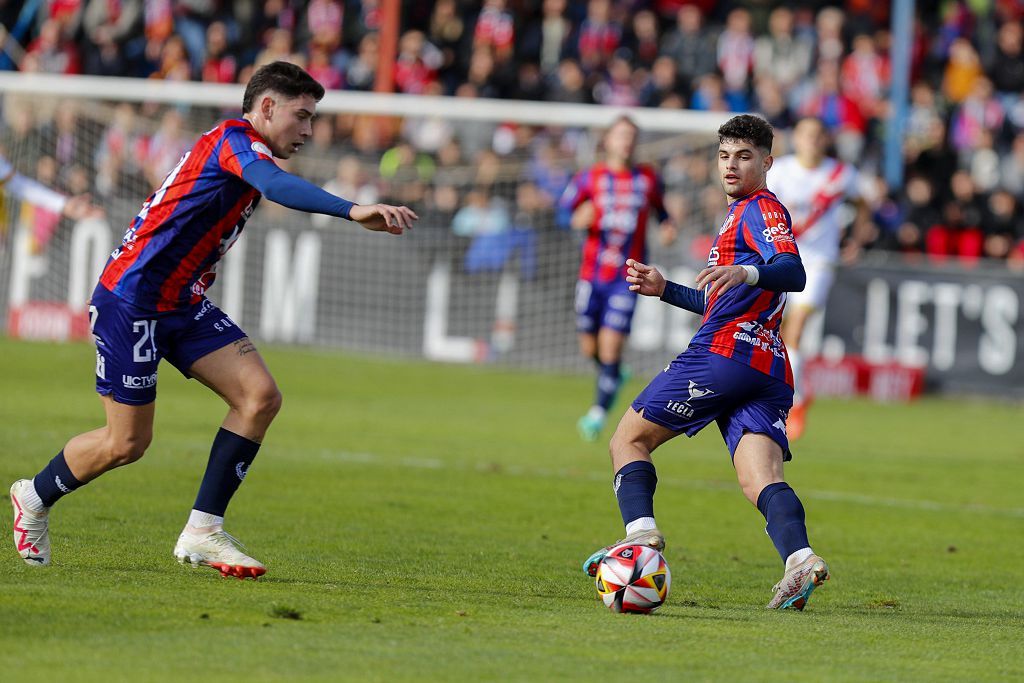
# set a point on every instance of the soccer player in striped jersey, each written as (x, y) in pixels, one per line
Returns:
(814, 187)
(734, 372)
(151, 303)
(612, 202)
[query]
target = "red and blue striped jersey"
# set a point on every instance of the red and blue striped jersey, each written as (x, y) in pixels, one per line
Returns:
(622, 203)
(168, 256)
(743, 322)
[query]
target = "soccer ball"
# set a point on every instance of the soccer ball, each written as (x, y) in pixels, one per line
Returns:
(633, 578)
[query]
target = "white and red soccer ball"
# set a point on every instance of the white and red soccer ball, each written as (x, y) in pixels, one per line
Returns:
(633, 578)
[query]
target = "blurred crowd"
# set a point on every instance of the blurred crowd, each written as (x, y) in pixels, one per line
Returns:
(964, 143)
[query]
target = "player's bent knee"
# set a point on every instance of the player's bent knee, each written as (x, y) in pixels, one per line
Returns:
(263, 405)
(128, 450)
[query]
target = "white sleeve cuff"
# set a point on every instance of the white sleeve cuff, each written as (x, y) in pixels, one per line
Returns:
(753, 274)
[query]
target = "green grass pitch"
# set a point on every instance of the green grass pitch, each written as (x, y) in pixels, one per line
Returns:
(427, 522)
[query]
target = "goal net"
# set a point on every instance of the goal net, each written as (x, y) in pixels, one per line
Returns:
(487, 275)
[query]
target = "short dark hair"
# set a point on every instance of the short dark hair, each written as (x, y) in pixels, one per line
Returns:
(281, 77)
(748, 128)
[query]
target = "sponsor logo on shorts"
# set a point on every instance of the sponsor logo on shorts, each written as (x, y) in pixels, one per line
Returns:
(780, 425)
(204, 309)
(101, 366)
(133, 382)
(684, 408)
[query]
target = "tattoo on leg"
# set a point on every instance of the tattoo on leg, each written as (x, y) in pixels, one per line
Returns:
(244, 346)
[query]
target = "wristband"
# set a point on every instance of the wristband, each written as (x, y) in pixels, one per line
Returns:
(753, 274)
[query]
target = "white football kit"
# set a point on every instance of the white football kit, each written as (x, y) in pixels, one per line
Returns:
(814, 198)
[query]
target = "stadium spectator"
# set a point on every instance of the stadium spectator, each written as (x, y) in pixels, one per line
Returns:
(1011, 170)
(736, 52)
(322, 69)
(52, 52)
(841, 115)
(599, 36)
(446, 33)
(616, 88)
(417, 63)
(569, 84)
(173, 63)
(642, 39)
(361, 71)
(109, 27)
(351, 179)
(691, 45)
(663, 87)
(324, 20)
(865, 76)
(220, 65)
(1001, 225)
(495, 30)
(783, 56)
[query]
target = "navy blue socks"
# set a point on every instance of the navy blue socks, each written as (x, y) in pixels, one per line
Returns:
(55, 481)
(634, 488)
(608, 381)
(230, 458)
(785, 516)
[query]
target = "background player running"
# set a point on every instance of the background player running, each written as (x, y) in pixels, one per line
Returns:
(734, 372)
(813, 187)
(612, 201)
(150, 303)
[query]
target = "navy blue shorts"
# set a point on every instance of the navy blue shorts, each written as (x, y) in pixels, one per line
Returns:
(130, 341)
(699, 386)
(604, 304)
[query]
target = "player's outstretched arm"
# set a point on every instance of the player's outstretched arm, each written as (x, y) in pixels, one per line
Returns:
(649, 281)
(297, 193)
(383, 217)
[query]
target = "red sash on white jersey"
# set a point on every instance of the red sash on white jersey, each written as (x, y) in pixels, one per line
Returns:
(827, 197)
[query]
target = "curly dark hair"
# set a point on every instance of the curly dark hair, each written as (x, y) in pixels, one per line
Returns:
(748, 128)
(281, 77)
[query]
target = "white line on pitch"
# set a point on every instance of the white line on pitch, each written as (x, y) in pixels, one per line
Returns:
(699, 484)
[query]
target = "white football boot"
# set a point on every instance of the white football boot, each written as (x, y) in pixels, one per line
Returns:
(31, 528)
(219, 550)
(797, 584)
(649, 537)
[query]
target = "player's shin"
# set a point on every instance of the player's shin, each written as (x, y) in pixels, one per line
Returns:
(51, 484)
(229, 462)
(609, 378)
(634, 487)
(784, 514)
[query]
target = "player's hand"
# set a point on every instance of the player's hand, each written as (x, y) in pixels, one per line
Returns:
(583, 216)
(669, 233)
(721, 278)
(78, 207)
(384, 217)
(644, 279)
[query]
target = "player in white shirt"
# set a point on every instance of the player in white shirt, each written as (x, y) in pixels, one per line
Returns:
(814, 188)
(37, 194)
